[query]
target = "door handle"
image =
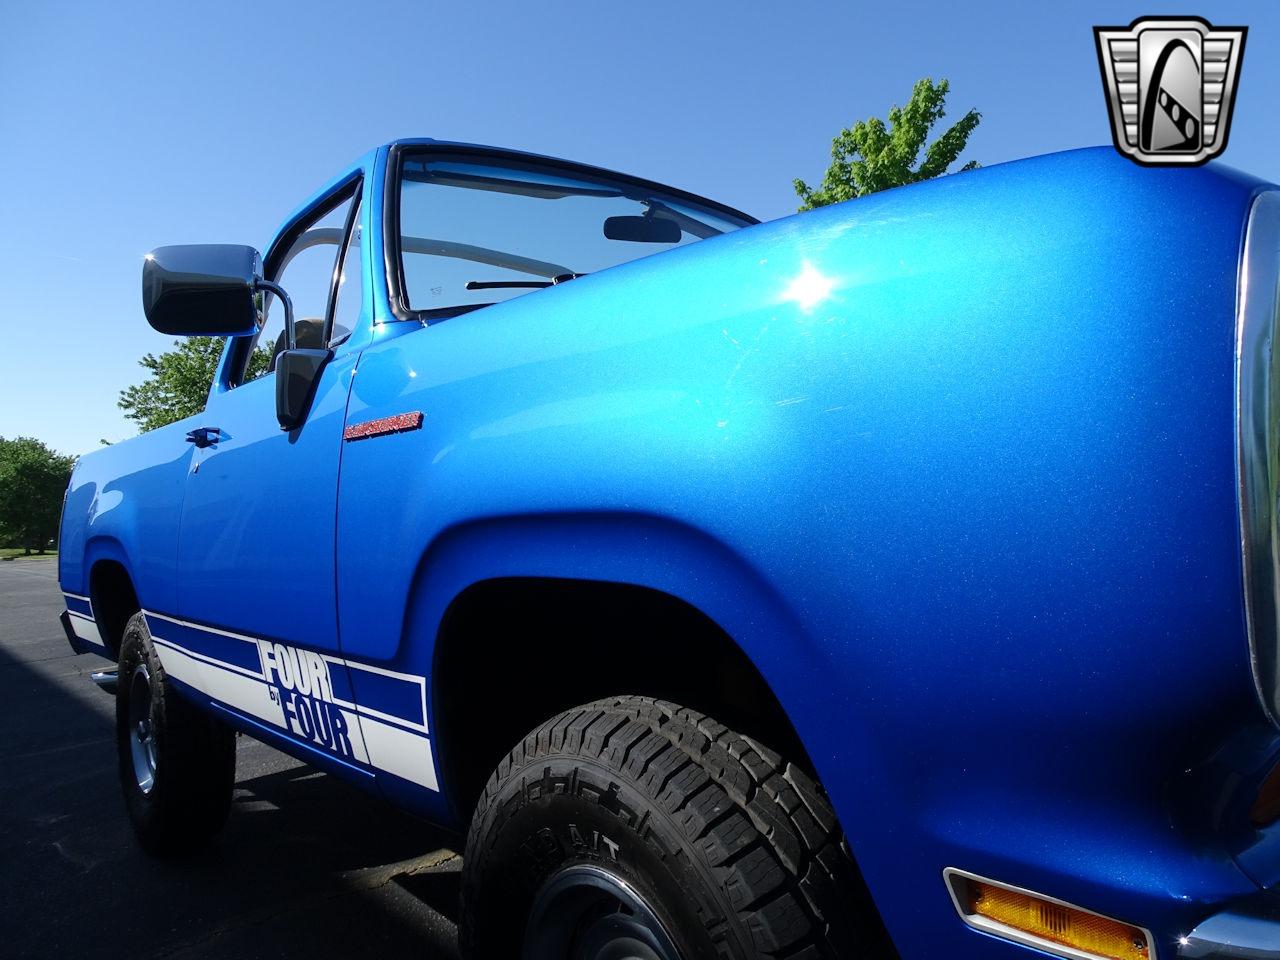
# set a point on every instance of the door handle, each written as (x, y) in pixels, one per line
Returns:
(203, 436)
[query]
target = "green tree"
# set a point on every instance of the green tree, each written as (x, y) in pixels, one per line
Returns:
(33, 479)
(177, 381)
(870, 156)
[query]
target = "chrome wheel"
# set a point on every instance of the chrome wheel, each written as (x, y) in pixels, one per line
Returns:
(142, 729)
(586, 913)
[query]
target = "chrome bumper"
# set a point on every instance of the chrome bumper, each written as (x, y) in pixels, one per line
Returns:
(1248, 930)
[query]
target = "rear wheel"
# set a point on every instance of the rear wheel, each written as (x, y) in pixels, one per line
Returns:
(177, 765)
(634, 828)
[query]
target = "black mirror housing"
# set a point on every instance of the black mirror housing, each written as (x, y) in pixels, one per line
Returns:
(202, 290)
(642, 229)
(296, 374)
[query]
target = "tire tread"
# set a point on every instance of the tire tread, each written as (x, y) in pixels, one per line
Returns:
(763, 826)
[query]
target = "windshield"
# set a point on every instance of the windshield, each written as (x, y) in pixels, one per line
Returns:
(475, 233)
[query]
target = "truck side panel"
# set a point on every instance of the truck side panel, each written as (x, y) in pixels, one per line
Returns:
(123, 506)
(977, 433)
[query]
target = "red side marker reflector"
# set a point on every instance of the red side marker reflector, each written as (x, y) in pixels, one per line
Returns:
(400, 423)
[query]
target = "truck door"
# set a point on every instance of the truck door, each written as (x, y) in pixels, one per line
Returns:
(256, 595)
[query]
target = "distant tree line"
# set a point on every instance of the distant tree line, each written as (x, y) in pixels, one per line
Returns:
(33, 479)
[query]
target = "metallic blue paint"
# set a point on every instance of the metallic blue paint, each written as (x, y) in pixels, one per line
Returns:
(954, 465)
(257, 527)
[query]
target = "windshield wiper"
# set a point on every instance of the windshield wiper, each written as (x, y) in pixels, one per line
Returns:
(521, 284)
(506, 284)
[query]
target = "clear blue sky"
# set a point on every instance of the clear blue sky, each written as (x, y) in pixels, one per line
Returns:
(124, 126)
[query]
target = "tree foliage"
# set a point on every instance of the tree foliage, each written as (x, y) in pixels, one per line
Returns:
(33, 479)
(870, 156)
(177, 381)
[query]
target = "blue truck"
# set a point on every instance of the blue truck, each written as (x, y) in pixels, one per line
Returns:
(897, 578)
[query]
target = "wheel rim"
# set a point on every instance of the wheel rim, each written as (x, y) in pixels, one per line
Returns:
(142, 729)
(584, 912)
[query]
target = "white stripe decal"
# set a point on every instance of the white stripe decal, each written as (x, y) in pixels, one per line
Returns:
(396, 746)
(408, 677)
(398, 721)
(350, 664)
(244, 692)
(85, 628)
(399, 752)
(76, 596)
(203, 659)
(201, 627)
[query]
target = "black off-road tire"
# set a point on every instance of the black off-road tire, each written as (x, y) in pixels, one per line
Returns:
(736, 852)
(189, 796)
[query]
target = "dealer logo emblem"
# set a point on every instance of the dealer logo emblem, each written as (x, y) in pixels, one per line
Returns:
(1170, 84)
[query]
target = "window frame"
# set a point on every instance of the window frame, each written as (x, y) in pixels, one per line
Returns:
(350, 188)
(344, 247)
(393, 259)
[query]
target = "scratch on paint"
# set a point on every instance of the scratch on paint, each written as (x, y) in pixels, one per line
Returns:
(746, 352)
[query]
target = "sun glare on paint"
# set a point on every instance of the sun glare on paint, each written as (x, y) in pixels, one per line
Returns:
(809, 288)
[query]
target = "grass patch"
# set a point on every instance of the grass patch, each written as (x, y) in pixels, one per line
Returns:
(17, 553)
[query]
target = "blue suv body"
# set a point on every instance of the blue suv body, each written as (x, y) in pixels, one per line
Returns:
(939, 493)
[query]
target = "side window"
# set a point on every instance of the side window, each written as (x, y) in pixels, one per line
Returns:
(307, 272)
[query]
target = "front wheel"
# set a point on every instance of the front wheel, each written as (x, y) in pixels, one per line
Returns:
(177, 765)
(636, 828)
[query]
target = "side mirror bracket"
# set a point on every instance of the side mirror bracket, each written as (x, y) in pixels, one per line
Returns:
(297, 370)
(275, 288)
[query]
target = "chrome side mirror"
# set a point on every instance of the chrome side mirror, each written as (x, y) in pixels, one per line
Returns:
(207, 290)
(202, 290)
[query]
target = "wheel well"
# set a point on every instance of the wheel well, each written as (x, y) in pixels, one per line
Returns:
(114, 600)
(514, 652)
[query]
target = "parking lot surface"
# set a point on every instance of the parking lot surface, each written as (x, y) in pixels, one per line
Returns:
(306, 867)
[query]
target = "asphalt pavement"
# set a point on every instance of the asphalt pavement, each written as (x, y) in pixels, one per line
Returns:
(306, 867)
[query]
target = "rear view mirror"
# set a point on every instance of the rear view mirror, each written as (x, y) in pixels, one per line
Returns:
(642, 229)
(202, 290)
